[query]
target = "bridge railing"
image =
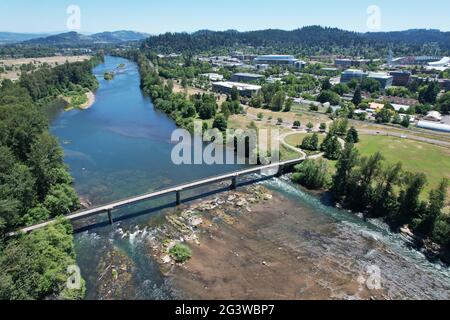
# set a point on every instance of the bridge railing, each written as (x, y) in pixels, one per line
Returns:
(108, 208)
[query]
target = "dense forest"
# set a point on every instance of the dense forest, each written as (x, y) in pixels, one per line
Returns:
(35, 186)
(313, 40)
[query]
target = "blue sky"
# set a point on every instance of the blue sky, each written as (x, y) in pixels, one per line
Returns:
(191, 15)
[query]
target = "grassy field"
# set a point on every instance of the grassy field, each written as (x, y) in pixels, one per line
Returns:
(14, 64)
(289, 117)
(432, 160)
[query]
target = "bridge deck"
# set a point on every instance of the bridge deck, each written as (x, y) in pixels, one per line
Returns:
(118, 204)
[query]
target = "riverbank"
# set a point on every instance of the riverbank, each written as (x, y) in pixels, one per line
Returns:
(82, 101)
(90, 101)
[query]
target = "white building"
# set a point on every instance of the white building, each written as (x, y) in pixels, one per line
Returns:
(444, 62)
(433, 116)
(399, 107)
(276, 59)
(433, 126)
(244, 89)
(213, 76)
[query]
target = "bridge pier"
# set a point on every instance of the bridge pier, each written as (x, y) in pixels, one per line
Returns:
(279, 172)
(234, 183)
(178, 197)
(110, 217)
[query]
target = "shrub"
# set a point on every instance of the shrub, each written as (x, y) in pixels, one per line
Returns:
(180, 253)
(312, 174)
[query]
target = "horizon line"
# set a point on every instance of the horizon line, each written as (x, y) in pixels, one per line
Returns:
(216, 30)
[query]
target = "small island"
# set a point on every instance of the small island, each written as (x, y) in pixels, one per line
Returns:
(109, 76)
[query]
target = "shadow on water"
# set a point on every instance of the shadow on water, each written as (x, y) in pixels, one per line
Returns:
(142, 213)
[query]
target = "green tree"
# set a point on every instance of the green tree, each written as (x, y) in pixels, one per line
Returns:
(61, 200)
(235, 94)
(326, 84)
(441, 231)
(278, 101)
(341, 89)
(425, 222)
(288, 104)
(409, 199)
(184, 83)
(370, 85)
(329, 96)
(406, 121)
(348, 160)
(45, 157)
(361, 189)
(220, 123)
(311, 143)
(352, 136)
(331, 147)
(385, 201)
(357, 98)
(34, 267)
(444, 103)
(429, 93)
(312, 174)
(207, 110)
(385, 115)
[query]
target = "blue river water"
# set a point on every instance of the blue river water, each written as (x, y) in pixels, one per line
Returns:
(121, 147)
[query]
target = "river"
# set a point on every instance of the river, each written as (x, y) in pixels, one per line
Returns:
(121, 147)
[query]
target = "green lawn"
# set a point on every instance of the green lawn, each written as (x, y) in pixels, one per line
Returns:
(296, 140)
(432, 160)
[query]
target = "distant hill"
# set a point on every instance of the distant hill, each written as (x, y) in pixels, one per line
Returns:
(74, 39)
(120, 36)
(308, 40)
(11, 37)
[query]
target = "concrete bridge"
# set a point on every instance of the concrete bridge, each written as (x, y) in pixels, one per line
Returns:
(278, 169)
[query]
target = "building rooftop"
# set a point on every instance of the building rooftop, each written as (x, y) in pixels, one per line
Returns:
(379, 75)
(353, 71)
(251, 75)
(433, 126)
(398, 107)
(275, 57)
(376, 106)
(238, 85)
(330, 69)
(434, 114)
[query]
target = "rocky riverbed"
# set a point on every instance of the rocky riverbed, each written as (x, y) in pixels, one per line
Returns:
(258, 244)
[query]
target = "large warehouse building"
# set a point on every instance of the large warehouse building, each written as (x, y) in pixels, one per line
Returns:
(245, 90)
